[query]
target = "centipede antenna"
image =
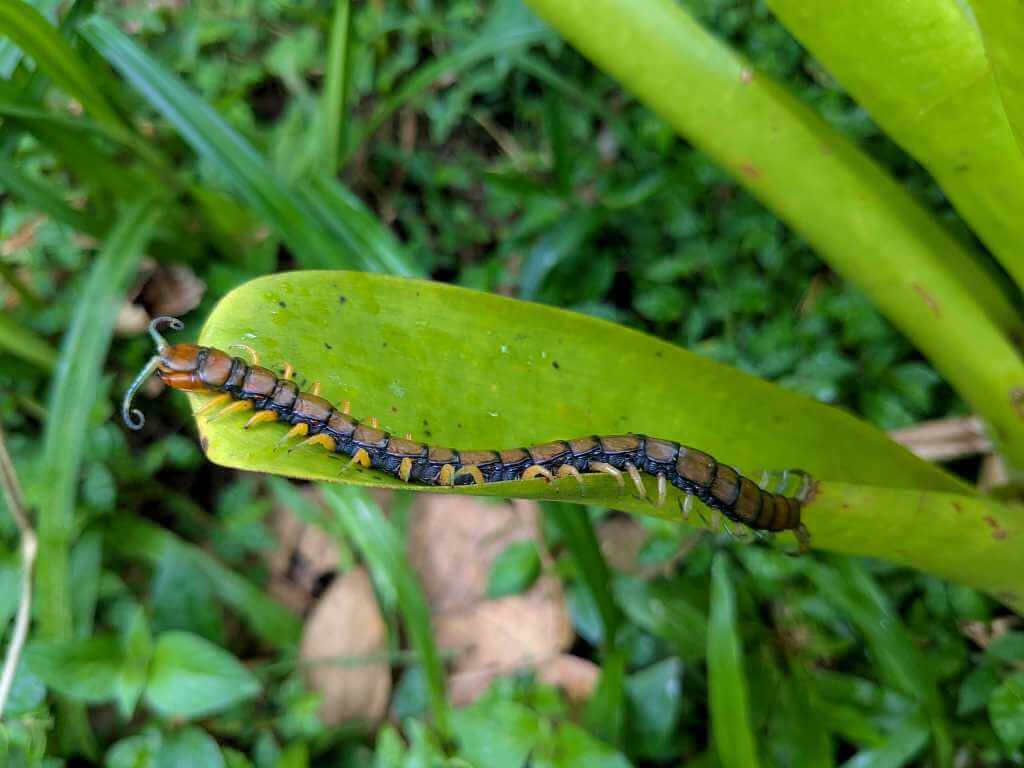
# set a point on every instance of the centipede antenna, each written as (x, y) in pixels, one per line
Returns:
(133, 417)
(172, 322)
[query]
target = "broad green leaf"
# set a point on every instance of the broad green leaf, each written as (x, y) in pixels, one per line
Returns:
(495, 733)
(138, 649)
(37, 38)
(659, 609)
(514, 570)
(189, 748)
(605, 713)
(655, 704)
(921, 70)
(190, 677)
(866, 226)
(570, 746)
(1006, 710)
(729, 699)
(85, 670)
(1002, 32)
(136, 538)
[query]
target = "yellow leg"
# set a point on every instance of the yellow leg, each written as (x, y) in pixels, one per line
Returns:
(323, 440)
(536, 470)
(405, 469)
(662, 489)
(568, 470)
(299, 430)
(373, 422)
(254, 358)
(259, 418)
(687, 506)
(241, 405)
(803, 537)
(346, 407)
(608, 469)
(447, 475)
(315, 389)
(634, 475)
(362, 458)
(408, 435)
(213, 402)
(288, 372)
(473, 471)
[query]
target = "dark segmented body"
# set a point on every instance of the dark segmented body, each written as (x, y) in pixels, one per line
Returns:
(718, 486)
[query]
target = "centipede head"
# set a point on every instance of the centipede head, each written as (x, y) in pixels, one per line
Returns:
(177, 365)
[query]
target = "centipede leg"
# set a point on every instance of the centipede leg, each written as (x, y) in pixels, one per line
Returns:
(473, 471)
(447, 475)
(254, 358)
(608, 469)
(212, 403)
(568, 470)
(259, 418)
(241, 405)
(315, 389)
(405, 470)
(326, 441)
(536, 470)
(299, 430)
(662, 490)
(288, 372)
(360, 457)
(716, 521)
(638, 481)
(346, 407)
(806, 483)
(803, 538)
(687, 506)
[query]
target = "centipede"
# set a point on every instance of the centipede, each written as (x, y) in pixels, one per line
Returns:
(237, 385)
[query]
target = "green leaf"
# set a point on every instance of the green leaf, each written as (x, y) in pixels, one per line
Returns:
(571, 746)
(37, 38)
(932, 90)
(189, 748)
(901, 746)
(976, 688)
(1006, 711)
(528, 373)
(384, 553)
(514, 570)
(288, 211)
(817, 181)
(85, 670)
(729, 700)
(138, 649)
(605, 713)
(22, 343)
(136, 538)
(658, 608)
(1002, 32)
(496, 733)
(190, 677)
(655, 704)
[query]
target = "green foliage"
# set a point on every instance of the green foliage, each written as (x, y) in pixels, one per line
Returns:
(469, 143)
(514, 570)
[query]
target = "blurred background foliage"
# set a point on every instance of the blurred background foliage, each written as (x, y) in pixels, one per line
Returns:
(497, 158)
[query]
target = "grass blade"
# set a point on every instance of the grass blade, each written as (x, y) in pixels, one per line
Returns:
(44, 198)
(1002, 32)
(336, 85)
(136, 538)
(579, 536)
(382, 549)
(927, 283)
(23, 343)
(727, 681)
(288, 212)
(932, 90)
(38, 39)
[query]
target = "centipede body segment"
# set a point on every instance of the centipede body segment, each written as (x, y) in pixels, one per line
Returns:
(239, 385)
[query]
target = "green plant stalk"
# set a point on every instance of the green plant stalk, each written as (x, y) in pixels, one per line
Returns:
(38, 39)
(920, 69)
(728, 698)
(336, 85)
(381, 546)
(1002, 32)
(73, 394)
(865, 225)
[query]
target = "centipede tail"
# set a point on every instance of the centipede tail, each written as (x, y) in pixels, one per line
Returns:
(241, 385)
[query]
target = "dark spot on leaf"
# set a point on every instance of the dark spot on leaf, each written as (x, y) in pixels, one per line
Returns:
(328, 345)
(750, 171)
(385, 345)
(933, 305)
(394, 409)
(341, 299)
(281, 304)
(555, 365)
(957, 506)
(659, 354)
(459, 425)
